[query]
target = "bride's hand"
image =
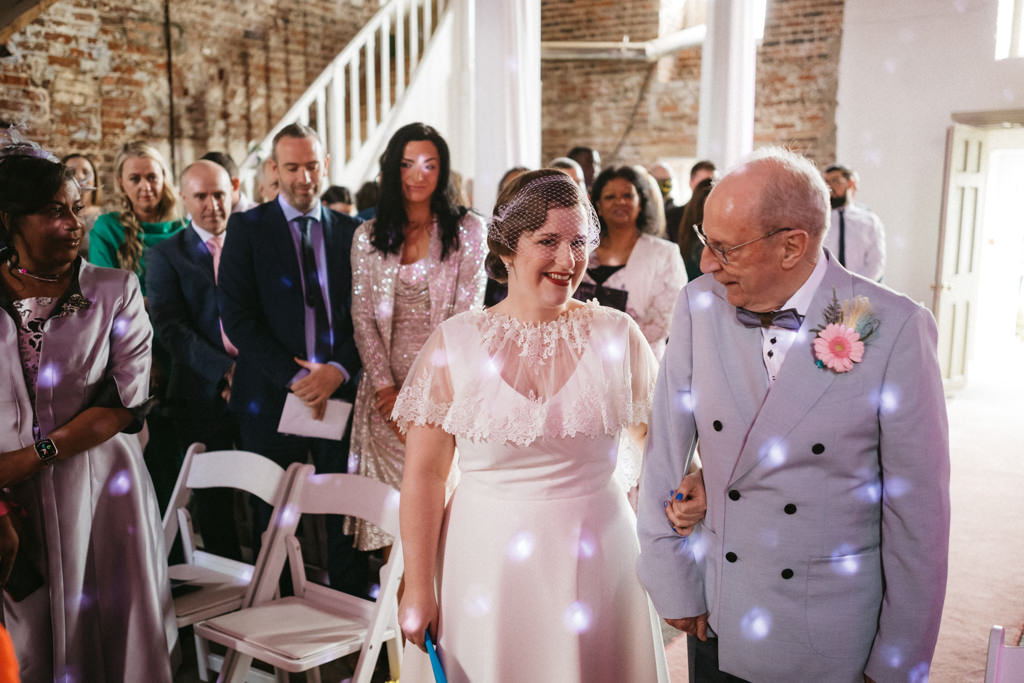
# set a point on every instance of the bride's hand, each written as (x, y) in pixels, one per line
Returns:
(416, 614)
(687, 504)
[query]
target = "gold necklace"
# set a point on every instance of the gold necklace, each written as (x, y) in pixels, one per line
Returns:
(41, 278)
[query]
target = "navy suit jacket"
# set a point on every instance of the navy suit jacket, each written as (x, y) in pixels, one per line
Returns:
(182, 298)
(263, 310)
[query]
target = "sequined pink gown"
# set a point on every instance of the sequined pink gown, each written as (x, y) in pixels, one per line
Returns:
(536, 578)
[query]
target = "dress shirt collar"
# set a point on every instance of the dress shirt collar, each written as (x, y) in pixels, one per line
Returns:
(801, 299)
(204, 235)
(291, 213)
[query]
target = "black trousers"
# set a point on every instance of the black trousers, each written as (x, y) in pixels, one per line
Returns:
(347, 568)
(703, 659)
(215, 509)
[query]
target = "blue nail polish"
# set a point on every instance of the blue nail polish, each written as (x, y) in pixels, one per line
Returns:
(679, 496)
(665, 504)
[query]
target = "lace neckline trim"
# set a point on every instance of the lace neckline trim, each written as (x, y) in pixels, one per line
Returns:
(538, 341)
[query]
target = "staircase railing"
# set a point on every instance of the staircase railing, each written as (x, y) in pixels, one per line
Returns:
(353, 97)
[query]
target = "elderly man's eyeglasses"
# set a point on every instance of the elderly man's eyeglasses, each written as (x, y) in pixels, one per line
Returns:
(722, 253)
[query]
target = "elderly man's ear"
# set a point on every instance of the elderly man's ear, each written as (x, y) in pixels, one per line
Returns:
(794, 247)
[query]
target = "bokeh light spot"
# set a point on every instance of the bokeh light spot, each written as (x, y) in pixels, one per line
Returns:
(756, 624)
(578, 617)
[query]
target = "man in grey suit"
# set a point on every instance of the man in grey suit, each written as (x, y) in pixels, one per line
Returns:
(816, 400)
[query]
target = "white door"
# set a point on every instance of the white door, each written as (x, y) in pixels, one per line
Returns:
(956, 281)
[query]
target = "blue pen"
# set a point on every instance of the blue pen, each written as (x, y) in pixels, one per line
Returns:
(435, 661)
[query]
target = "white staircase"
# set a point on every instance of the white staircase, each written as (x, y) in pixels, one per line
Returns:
(355, 104)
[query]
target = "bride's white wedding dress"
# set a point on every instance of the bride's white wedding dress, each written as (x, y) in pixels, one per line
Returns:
(536, 567)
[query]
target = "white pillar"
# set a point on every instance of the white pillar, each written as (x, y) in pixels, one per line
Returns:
(725, 132)
(507, 86)
(461, 140)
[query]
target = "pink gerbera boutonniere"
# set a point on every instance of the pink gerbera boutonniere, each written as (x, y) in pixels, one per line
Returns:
(848, 326)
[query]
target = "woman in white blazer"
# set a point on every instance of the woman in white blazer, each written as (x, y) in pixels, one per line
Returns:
(632, 257)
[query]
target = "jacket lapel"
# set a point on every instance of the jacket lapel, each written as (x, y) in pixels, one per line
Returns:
(742, 364)
(197, 252)
(800, 383)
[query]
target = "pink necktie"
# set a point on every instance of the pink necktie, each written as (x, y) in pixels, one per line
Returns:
(214, 245)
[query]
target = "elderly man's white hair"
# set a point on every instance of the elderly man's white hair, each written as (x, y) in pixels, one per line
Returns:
(795, 195)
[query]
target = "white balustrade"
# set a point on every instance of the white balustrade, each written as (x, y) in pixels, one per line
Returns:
(354, 92)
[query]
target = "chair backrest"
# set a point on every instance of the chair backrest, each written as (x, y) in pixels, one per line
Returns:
(347, 494)
(241, 470)
(1005, 662)
(329, 494)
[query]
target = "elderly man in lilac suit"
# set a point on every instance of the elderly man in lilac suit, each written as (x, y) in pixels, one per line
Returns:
(816, 401)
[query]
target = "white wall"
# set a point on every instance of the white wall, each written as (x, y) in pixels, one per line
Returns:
(905, 67)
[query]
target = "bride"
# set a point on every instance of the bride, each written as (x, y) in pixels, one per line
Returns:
(528, 573)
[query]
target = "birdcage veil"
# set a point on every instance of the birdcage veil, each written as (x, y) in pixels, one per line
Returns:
(546, 199)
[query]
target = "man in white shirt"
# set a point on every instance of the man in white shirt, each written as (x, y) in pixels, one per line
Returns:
(856, 235)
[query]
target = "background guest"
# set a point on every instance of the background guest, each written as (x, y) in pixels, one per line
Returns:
(284, 288)
(510, 175)
(366, 200)
(856, 235)
(690, 246)
(700, 171)
(239, 200)
(630, 259)
(419, 262)
(92, 196)
(267, 183)
(149, 212)
(89, 590)
(589, 160)
(571, 168)
(339, 198)
(182, 277)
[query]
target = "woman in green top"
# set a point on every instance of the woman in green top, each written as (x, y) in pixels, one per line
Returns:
(120, 239)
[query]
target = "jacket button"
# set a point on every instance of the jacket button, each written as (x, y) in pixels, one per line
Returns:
(731, 556)
(790, 509)
(787, 573)
(818, 448)
(734, 495)
(717, 424)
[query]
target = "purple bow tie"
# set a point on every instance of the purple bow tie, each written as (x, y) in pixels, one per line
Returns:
(788, 319)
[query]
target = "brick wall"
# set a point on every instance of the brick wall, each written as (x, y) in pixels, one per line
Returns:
(89, 75)
(798, 76)
(634, 112)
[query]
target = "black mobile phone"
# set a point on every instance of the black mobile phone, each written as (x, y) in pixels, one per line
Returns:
(25, 579)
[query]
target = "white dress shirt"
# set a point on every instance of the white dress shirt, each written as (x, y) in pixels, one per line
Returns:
(865, 240)
(776, 341)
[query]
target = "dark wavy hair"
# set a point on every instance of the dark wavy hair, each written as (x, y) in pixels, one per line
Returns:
(388, 229)
(626, 173)
(27, 185)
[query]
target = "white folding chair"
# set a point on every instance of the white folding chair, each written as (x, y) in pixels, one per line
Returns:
(1005, 662)
(207, 585)
(318, 624)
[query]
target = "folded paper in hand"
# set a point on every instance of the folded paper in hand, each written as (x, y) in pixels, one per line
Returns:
(297, 418)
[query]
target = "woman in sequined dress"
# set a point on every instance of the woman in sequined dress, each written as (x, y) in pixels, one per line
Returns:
(419, 262)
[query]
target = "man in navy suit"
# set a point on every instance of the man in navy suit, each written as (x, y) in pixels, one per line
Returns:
(181, 282)
(285, 290)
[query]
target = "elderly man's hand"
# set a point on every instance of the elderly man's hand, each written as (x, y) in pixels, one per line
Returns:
(687, 504)
(694, 626)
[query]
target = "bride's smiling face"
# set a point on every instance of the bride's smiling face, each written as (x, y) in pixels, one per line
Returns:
(549, 262)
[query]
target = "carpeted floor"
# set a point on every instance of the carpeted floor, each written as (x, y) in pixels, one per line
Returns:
(986, 583)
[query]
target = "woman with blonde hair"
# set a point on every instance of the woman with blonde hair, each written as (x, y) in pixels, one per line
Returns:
(149, 212)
